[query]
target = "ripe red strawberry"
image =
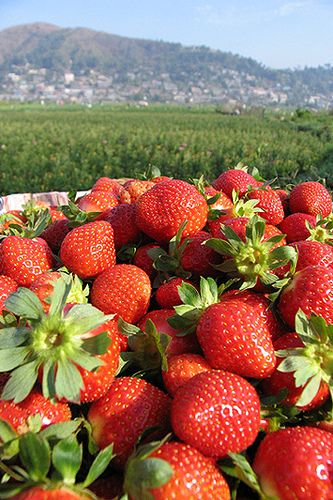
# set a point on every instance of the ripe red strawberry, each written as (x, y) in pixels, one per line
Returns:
(271, 204)
(55, 233)
(56, 214)
(234, 337)
(122, 219)
(130, 406)
(234, 179)
(181, 368)
(97, 201)
(162, 210)
(197, 258)
(134, 189)
(167, 295)
(187, 474)
(124, 290)
(107, 184)
(284, 197)
(311, 290)
(23, 259)
(53, 493)
(89, 250)
(313, 253)
(16, 414)
(143, 260)
(223, 202)
(7, 286)
(294, 226)
(296, 463)
(310, 198)
(178, 344)
(280, 380)
(216, 412)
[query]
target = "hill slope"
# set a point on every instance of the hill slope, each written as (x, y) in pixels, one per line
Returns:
(43, 61)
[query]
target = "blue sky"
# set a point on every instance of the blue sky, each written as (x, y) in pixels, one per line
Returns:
(277, 33)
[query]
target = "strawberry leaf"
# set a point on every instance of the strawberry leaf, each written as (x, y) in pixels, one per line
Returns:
(61, 430)
(25, 303)
(99, 465)
(12, 358)
(310, 391)
(35, 455)
(21, 382)
(13, 337)
(67, 458)
(98, 344)
(68, 381)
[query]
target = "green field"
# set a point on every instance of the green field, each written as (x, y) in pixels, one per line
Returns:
(53, 148)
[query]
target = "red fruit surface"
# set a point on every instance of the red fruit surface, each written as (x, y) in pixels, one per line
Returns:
(89, 250)
(311, 290)
(107, 184)
(16, 414)
(198, 258)
(97, 201)
(167, 295)
(130, 406)
(55, 233)
(194, 475)
(7, 286)
(124, 290)
(43, 287)
(296, 463)
(122, 219)
(134, 189)
(234, 337)
(23, 259)
(282, 380)
(162, 210)
(181, 368)
(234, 179)
(271, 204)
(294, 226)
(143, 260)
(223, 203)
(310, 198)
(216, 412)
(178, 344)
(313, 253)
(58, 493)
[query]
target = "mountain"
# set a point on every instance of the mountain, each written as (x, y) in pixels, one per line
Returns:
(45, 62)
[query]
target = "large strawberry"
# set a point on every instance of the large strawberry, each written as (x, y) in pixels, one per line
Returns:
(23, 259)
(217, 412)
(130, 406)
(166, 206)
(310, 198)
(294, 226)
(57, 346)
(174, 470)
(296, 463)
(124, 290)
(89, 250)
(271, 204)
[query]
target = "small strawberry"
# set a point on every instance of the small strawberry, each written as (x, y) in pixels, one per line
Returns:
(216, 412)
(181, 368)
(310, 198)
(197, 258)
(122, 220)
(107, 184)
(270, 202)
(7, 286)
(167, 295)
(144, 261)
(17, 414)
(295, 228)
(234, 180)
(165, 207)
(296, 463)
(97, 201)
(174, 470)
(284, 197)
(130, 406)
(55, 233)
(23, 259)
(89, 250)
(124, 290)
(134, 189)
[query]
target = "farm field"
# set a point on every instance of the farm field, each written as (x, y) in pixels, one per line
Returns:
(45, 148)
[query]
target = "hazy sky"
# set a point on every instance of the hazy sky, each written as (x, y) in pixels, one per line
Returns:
(277, 33)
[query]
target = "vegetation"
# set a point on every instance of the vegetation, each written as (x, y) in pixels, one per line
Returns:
(53, 148)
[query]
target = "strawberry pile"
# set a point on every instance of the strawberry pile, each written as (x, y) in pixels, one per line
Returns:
(168, 339)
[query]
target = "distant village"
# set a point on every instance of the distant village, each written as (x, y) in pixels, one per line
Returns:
(27, 84)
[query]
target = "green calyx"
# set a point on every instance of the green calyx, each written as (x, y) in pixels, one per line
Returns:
(322, 231)
(53, 344)
(74, 214)
(253, 258)
(313, 363)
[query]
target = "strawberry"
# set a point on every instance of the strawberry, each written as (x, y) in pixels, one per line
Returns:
(47, 493)
(55, 233)
(197, 258)
(270, 202)
(216, 412)
(284, 197)
(107, 185)
(23, 259)
(7, 286)
(223, 201)
(124, 290)
(302, 464)
(234, 180)
(162, 210)
(295, 228)
(181, 368)
(234, 337)
(310, 198)
(167, 295)
(17, 414)
(97, 201)
(56, 347)
(122, 220)
(280, 380)
(134, 189)
(174, 470)
(313, 253)
(130, 406)
(311, 290)
(89, 250)
(144, 261)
